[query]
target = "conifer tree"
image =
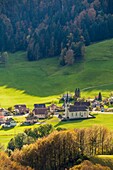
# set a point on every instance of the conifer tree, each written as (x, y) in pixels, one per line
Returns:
(100, 96)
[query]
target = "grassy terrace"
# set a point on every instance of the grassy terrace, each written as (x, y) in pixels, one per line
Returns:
(101, 119)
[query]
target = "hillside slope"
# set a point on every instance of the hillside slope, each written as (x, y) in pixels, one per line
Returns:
(44, 80)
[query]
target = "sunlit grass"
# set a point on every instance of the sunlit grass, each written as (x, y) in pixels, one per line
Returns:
(105, 160)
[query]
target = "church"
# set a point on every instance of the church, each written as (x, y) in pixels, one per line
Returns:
(79, 110)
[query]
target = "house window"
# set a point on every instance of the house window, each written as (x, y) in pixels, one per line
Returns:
(81, 114)
(72, 115)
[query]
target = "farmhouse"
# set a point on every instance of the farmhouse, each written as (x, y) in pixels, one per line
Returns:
(21, 109)
(40, 113)
(79, 110)
(9, 123)
(31, 119)
(52, 108)
(2, 119)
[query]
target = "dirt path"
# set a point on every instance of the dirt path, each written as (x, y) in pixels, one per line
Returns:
(91, 87)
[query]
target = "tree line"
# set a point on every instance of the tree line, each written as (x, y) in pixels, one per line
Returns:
(54, 28)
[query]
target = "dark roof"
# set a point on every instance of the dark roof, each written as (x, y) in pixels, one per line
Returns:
(39, 105)
(1, 109)
(82, 104)
(40, 111)
(31, 118)
(77, 108)
(20, 105)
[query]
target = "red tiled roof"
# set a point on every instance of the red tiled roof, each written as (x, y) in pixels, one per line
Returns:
(2, 117)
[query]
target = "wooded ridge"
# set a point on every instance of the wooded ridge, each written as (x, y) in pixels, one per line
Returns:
(50, 28)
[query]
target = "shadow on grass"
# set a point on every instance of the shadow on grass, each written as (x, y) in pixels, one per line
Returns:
(6, 128)
(68, 122)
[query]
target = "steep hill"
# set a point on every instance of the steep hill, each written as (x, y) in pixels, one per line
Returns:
(45, 80)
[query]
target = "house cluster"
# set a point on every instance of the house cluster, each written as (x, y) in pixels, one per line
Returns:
(21, 109)
(5, 119)
(3, 115)
(9, 122)
(73, 108)
(40, 111)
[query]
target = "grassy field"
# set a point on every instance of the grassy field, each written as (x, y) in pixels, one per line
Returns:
(44, 81)
(101, 119)
(105, 160)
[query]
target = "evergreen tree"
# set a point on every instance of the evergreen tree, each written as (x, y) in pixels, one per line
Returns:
(100, 96)
(78, 93)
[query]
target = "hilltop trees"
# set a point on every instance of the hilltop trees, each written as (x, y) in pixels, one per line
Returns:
(62, 149)
(59, 150)
(47, 29)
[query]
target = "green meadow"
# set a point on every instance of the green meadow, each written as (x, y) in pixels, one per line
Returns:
(45, 80)
(101, 119)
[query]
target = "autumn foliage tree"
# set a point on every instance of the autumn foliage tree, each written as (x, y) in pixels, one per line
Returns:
(65, 148)
(53, 152)
(7, 164)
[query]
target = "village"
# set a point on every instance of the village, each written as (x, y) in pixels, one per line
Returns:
(70, 107)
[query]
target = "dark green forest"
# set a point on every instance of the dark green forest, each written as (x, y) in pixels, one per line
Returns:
(54, 28)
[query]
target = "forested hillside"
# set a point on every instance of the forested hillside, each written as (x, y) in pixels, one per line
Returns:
(50, 28)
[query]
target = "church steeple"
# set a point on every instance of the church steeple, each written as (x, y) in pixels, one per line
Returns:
(67, 98)
(66, 111)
